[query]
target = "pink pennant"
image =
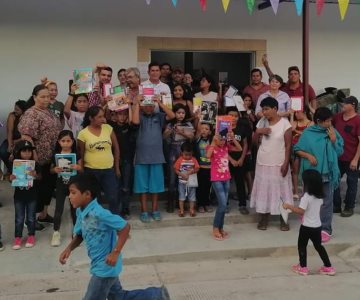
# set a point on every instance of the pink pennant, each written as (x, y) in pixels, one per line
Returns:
(275, 5)
(148, 2)
(203, 4)
(319, 6)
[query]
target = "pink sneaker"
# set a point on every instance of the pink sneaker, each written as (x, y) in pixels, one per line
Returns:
(300, 270)
(30, 242)
(17, 244)
(327, 271)
(325, 237)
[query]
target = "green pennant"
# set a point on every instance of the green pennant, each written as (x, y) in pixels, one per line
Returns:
(250, 5)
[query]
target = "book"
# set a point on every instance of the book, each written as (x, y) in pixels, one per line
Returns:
(239, 103)
(148, 93)
(208, 112)
(185, 166)
(21, 170)
(117, 102)
(84, 79)
(229, 102)
(231, 92)
(64, 161)
(297, 103)
(187, 129)
(196, 104)
(224, 125)
(167, 100)
(106, 89)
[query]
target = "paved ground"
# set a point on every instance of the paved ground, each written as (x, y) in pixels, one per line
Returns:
(182, 254)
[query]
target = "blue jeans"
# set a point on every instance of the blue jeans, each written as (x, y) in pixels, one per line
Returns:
(110, 288)
(352, 184)
(125, 184)
(25, 207)
(109, 185)
(221, 189)
(326, 211)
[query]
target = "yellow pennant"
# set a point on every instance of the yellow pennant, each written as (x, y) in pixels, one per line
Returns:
(343, 6)
(225, 4)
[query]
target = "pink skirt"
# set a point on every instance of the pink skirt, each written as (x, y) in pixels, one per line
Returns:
(270, 189)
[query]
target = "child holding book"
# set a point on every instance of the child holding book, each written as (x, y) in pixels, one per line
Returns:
(176, 133)
(80, 103)
(25, 198)
(149, 158)
(65, 144)
(186, 167)
(310, 229)
(204, 139)
(218, 153)
(105, 235)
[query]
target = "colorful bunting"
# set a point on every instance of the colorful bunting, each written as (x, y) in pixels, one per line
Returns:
(275, 5)
(203, 4)
(299, 6)
(174, 2)
(319, 6)
(343, 6)
(148, 2)
(250, 6)
(225, 4)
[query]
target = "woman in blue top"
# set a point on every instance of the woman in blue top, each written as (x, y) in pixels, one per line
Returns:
(319, 146)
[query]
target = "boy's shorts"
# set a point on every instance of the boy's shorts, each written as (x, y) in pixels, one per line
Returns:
(186, 192)
(149, 179)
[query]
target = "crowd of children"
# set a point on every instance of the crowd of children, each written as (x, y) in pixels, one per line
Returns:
(149, 147)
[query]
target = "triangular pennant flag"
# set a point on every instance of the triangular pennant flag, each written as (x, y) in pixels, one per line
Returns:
(174, 2)
(299, 6)
(275, 5)
(319, 6)
(148, 2)
(203, 4)
(225, 4)
(250, 6)
(343, 6)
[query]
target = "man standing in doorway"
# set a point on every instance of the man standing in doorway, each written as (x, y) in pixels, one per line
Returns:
(256, 87)
(347, 123)
(166, 71)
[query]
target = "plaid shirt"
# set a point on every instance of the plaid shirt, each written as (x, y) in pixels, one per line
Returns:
(94, 99)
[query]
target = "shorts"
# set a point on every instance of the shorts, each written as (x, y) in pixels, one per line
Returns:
(149, 179)
(186, 192)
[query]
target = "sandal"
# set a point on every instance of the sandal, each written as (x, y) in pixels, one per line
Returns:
(209, 209)
(181, 214)
(217, 235)
(201, 209)
(192, 213)
(224, 233)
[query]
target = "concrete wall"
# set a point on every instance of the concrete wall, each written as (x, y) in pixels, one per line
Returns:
(50, 38)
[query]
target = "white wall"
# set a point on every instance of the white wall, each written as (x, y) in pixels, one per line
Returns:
(44, 37)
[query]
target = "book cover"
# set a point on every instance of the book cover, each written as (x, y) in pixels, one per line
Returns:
(208, 112)
(239, 103)
(64, 161)
(187, 129)
(84, 79)
(185, 166)
(196, 104)
(117, 103)
(21, 170)
(224, 125)
(167, 100)
(297, 103)
(231, 92)
(106, 89)
(148, 93)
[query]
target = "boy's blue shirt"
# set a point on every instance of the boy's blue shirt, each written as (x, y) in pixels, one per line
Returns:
(98, 227)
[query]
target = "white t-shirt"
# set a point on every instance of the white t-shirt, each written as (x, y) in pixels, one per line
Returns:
(211, 97)
(272, 148)
(74, 123)
(312, 206)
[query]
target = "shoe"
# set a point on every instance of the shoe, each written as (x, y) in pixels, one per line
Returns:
(17, 244)
(56, 239)
(39, 226)
(201, 209)
(164, 293)
(156, 215)
(325, 237)
(300, 270)
(284, 226)
(263, 222)
(30, 242)
(347, 212)
(327, 271)
(144, 217)
(209, 208)
(125, 214)
(243, 210)
(337, 210)
(47, 219)
(1, 246)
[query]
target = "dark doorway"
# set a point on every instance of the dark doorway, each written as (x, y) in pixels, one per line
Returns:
(228, 67)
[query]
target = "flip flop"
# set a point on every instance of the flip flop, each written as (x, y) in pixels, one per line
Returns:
(218, 237)
(225, 234)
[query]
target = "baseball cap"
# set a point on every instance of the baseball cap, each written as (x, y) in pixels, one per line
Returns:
(351, 100)
(293, 68)
(21, 145)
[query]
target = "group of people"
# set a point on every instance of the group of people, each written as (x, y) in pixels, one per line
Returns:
(150, 146)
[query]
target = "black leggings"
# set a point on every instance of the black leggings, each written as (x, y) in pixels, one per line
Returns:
(203, 190)
(62, 190)
(239, 177)
(313, 234)
(46, 186)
